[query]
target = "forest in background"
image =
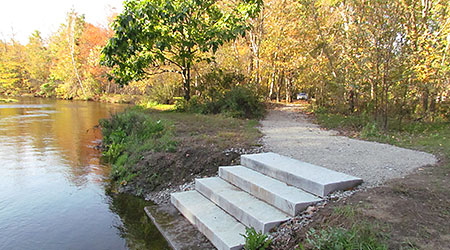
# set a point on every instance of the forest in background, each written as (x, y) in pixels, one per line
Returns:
(387, 60)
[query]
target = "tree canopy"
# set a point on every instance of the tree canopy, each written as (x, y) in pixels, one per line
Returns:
(383, 60)
(155, 36)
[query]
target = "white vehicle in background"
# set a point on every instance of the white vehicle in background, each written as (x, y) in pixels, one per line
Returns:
(302, 96)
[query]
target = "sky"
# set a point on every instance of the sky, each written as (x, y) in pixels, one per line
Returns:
(19, 18)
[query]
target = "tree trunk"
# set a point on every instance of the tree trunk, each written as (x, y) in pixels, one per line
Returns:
(425, 96)
(272, 83)
(351, 97)
(71, 40)
(186, 73)
(255, 36)
(279, 84)
(288, 89)
(187, 83)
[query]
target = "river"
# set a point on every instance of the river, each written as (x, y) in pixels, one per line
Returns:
(53, 187)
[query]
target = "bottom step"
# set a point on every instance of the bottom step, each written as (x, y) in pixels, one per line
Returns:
(220, 228)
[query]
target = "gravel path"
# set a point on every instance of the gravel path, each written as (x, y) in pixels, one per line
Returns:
(288, 132)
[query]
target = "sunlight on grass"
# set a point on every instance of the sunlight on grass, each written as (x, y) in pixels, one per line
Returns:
(7, 100)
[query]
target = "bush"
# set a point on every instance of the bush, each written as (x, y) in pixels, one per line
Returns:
(219, 91)
(163, 92)
(48, 89)
(255, 240)
(239, 102)
(194, 105)
(214, 84)
(370, 130)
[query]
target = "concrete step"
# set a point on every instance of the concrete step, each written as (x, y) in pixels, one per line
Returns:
(314, 179)
(249, 210)
(288, 199)
(220, 228)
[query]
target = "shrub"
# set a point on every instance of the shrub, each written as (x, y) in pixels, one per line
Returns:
(48, 89)
(255, 240)
(370, 130)
(163, 92)
(239, 102)
(214, 84)
(219, 91)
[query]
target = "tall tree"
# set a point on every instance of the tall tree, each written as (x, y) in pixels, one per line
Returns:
(13, 76)
(65, 57)
(38, 59)
(90, 44)
(156, 36)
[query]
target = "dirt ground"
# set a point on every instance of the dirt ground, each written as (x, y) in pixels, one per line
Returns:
(160, 170)
(411, 209)
(204, 142)
(411, 212)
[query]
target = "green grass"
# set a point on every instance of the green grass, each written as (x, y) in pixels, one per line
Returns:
(339, 121)
(7, 100)
(346, 230)
(127, 135)
(362, 236)
(255, 240)
(219, 130)
(346, 211)
(156, 106)
(432, 137)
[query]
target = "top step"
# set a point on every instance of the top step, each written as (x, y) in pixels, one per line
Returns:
(314, 179)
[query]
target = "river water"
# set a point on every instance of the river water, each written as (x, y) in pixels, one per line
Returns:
(53, 188)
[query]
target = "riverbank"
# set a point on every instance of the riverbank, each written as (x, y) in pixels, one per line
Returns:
(105, 98)
(201, 143)
(54, 190)
(384, 212)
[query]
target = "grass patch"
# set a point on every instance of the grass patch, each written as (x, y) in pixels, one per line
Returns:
(430, 137)
(127, 135)
(150, 150)
(346, 211)
(220, 131)
(255, 240)
(417, 206)
(340, 121)
(148, 104)
(346, 229)
(361, 236)
(433, 137)
(7, 100)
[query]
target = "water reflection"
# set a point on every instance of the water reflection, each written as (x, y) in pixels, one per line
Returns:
(52, 194)
(139, 230)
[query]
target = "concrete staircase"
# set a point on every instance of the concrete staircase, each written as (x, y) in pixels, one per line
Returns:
(266, 191)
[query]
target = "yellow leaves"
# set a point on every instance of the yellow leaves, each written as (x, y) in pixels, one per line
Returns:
(327, 2)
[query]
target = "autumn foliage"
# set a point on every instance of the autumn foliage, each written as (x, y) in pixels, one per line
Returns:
(388, 60)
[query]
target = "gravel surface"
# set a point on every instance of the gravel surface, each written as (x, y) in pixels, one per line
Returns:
(289, 132)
